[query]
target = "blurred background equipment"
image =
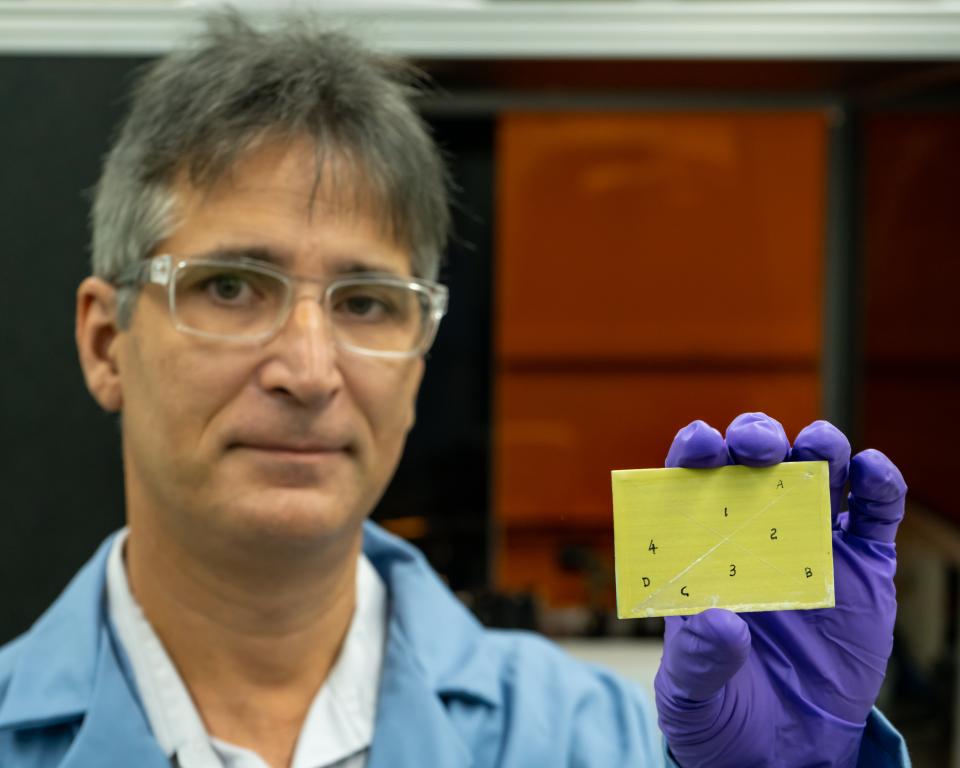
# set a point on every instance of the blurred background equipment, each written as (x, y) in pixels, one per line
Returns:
(665, 211)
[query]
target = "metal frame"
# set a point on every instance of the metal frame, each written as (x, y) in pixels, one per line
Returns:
(843, 279)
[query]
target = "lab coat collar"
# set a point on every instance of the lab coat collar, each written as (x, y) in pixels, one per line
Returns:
(56, 669)
(412, 728)
(436, 633)
(115, 732)
(69, 669)
(434, 652)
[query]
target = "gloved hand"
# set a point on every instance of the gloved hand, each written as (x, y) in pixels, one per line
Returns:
(787, 688)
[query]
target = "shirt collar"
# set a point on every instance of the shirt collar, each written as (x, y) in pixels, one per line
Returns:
(173, 718)
(346, 705)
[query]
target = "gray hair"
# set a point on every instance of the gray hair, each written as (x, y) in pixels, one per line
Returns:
(197, 110)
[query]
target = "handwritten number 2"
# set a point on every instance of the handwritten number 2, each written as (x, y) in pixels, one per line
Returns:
(773, 533)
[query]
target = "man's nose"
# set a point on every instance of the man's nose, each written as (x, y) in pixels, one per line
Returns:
(305, 360)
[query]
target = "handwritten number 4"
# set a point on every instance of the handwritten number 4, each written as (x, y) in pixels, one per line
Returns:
(652, 547)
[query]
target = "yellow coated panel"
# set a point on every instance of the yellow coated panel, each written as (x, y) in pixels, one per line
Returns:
(741, 538)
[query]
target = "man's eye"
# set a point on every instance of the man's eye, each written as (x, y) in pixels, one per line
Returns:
(363, 306)
(227, 287)
(367, 303)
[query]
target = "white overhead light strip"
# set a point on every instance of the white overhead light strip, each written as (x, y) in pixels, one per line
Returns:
(488, 29)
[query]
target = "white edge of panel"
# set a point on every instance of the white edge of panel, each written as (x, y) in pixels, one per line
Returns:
(490, 29)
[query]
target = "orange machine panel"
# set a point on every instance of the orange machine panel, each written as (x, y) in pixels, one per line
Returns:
(913, 267)
(672, 236)
(652, 268)
(911, 402)
(560, 436)
(912, 417)
(536, 560)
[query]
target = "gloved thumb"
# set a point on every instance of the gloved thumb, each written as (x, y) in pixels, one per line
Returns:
(700, 654)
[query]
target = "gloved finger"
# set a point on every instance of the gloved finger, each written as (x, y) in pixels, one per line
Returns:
(877, 496)
(700, 654)
(697, 446)
(757, 440)
(821, 441)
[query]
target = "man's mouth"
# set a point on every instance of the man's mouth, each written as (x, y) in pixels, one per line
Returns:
(294, 450)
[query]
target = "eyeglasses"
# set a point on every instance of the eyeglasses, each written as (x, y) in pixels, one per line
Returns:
(243, 300)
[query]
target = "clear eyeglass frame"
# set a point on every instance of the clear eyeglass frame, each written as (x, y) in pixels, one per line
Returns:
(162, 270)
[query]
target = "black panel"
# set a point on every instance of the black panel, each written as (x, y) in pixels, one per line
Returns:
(60, 455)
(60, 460)
(444, 474)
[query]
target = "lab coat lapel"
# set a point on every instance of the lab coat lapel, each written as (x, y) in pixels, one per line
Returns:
(71, 670)
(433, 655)
(412, 728)
(436, 630)
(114, 733)
(56, 667)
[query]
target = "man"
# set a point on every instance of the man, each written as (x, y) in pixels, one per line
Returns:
(267, 231)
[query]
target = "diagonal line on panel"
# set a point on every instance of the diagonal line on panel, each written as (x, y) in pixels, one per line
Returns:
(720, 543)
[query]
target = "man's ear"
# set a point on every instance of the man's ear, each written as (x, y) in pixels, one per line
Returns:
(97, 336)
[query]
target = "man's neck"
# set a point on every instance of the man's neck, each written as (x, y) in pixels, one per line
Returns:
(252, 638)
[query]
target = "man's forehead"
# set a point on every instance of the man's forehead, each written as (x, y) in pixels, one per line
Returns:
(324, 198)
(329, 180)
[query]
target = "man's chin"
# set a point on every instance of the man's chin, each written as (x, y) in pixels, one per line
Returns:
(291, 516)
(290, 469)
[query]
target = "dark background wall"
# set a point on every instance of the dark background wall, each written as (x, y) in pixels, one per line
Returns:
(60, 455)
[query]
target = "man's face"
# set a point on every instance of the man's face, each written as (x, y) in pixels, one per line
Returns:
(292, 438)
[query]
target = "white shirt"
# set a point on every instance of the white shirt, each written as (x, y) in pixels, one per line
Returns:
(338, 729)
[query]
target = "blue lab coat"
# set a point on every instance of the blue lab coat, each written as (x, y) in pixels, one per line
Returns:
(452, 693)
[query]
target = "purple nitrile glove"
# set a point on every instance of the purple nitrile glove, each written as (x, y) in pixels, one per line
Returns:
(787, 688)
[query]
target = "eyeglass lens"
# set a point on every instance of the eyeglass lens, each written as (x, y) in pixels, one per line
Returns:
(233, 301)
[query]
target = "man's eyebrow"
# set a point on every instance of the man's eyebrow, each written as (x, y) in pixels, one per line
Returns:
(252, 252)
(356, 266)
(346, 265)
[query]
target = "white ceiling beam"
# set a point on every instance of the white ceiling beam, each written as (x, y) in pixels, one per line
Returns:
(490, 29)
